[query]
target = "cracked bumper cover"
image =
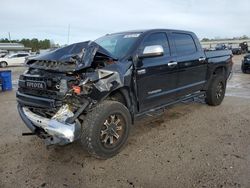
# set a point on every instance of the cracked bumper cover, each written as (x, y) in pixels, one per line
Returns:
(59, 131)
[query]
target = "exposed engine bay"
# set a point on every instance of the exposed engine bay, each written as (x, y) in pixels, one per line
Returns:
(61, 86)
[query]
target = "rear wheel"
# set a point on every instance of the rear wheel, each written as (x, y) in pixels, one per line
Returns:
(3, 64)
(105, 129)
(216, 91)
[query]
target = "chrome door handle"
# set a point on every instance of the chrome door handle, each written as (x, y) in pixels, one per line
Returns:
(202, 59)
(172, 64)
(142, 71)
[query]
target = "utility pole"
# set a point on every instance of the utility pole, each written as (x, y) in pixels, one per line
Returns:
(68, 33)
(9, 37)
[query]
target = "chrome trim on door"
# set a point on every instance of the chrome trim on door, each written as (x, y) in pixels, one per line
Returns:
(142, 71)
(176, 89)
(202, 59)
(172, 64)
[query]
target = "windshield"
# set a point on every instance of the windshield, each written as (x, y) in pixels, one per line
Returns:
(11, 55)
(118, 44)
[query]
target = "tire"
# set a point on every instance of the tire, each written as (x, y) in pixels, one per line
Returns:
(101, 124)
(216, 91)
(3, 64)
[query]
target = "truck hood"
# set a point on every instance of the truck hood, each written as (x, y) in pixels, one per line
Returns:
(73, 57)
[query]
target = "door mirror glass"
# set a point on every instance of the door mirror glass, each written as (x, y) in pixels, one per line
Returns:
(152, 51)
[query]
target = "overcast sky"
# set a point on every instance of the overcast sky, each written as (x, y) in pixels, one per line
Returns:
(90, 19)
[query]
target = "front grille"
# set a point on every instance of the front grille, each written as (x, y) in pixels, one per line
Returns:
(51, 83)
(34, 101)
(52, 86)
(44, 93)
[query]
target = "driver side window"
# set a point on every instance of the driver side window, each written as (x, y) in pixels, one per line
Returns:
(157, 39)
(13, 56)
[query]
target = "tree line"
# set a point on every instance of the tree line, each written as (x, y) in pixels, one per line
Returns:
(244, 37)
(34, 43)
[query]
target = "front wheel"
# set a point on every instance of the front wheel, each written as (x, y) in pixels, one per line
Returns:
(216, 91)
(3, 64)
(105, 129)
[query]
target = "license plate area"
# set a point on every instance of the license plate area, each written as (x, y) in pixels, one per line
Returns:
(35, 85)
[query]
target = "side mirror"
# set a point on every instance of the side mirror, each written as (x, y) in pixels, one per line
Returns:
(152, 51)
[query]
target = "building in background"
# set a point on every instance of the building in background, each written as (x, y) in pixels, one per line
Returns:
(13, 48)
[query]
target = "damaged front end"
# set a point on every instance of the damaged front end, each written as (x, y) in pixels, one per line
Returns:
(61, 87)
(55, 130)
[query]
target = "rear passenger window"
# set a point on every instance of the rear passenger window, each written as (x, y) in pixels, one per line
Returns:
(158, 39)
(184, 44)
(22, 55)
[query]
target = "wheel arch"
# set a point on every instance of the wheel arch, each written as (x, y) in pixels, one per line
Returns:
(124, 96)
(219, 70)
(121, 95)
(4, 62)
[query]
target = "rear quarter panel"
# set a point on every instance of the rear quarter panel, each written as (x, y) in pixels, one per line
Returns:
(218, 60)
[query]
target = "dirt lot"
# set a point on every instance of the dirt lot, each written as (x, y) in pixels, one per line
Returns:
(191, 145)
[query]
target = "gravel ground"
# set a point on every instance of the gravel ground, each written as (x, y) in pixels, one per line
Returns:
(190, 145)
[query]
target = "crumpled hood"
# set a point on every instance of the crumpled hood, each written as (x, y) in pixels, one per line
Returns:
(76, 56)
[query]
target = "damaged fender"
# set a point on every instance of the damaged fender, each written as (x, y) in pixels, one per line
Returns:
(106, 80)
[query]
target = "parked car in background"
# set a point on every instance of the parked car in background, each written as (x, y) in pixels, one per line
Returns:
(236, 50)
(245, 66)
(244, 47)
(221, 47)
(13, 59)
(3, 53)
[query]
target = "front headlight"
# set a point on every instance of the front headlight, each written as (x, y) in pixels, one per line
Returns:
(248, 59)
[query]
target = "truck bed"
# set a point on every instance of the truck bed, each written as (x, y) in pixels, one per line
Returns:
(218, 53)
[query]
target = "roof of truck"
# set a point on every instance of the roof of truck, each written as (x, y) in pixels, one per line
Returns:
(148, 30)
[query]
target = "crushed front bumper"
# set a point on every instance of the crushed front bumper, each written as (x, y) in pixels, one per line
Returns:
(58, 131)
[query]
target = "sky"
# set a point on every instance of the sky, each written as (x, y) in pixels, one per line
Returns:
(90, 19)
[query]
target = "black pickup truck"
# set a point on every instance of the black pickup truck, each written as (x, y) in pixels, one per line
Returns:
(245, 66)
(93, 91)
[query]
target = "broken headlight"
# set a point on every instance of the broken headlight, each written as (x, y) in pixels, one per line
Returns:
(63, 86)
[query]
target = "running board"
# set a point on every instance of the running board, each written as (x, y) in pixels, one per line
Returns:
(187, 98)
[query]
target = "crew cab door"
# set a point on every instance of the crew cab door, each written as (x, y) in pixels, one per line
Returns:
(192, 64)
(156, 76)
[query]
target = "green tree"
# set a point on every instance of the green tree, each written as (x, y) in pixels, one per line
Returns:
(205, 40)
(34, 43)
